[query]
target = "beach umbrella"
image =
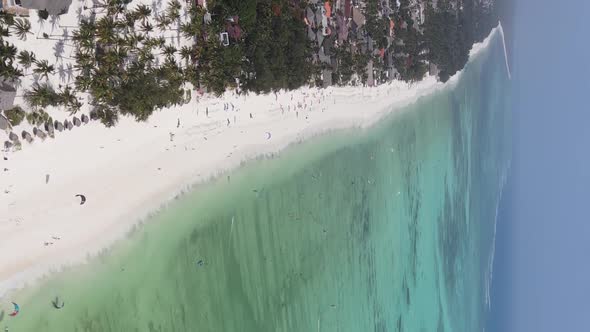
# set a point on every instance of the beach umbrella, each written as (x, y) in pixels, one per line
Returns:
(13, 137)
(85, 118)
(7, 145)
(26, 136)
(77, 122)
(49, 128)
(268, 135)
(59, 126)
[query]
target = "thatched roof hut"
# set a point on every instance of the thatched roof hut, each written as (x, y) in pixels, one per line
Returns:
(58, 126)
(41, 134)
(53, 7)
(27, 136)
(49, 127)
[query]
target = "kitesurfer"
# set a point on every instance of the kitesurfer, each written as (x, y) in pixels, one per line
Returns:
(57, 304)
(82, 198)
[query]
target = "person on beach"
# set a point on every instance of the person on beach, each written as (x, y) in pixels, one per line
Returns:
(207, 111)
(251, 116)
(228, 122)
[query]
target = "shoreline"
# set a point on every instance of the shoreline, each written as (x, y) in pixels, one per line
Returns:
(130, 172)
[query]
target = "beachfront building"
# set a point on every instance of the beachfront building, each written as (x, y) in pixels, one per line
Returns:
(7, 95)
(53, 7)
(13, 7)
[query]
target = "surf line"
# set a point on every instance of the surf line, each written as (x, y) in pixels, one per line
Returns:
(505, 51)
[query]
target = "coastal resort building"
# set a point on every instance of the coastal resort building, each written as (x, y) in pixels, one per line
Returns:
(232, 27)
(7, 95)
(358, 19)
(4, 123)
(53, 7)
(13, 7)
(328, 9)
(342, 27)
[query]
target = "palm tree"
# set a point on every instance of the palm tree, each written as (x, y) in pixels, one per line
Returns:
(146, 56)
(7, 19)
(173, 10)
(85, 35)
(7, 52)
(169, 51)
(43, 68)
(26, 59)
(22, 27)
(143, 12)
(4, 31)
(41, 95)
(132, 40)
(105, 30)
(186, 53)
(163, 21)
(69, 100)
(9, 73)
(129, 21)
(146, 27)
(189, 30)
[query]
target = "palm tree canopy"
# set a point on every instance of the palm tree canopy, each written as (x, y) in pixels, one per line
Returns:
(26, 58)
(7, 52)
(146, 27)
(43, 68)
(142, 12)
(22, 27)
(173, 10)
(169, 50)
(186, 52)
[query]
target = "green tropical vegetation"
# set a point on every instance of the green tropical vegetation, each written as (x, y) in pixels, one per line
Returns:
(15, 115)
(126, 67)
(8, 52)
(450, 31)
(22, 27)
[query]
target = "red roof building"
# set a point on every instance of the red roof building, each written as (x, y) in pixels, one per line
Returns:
(348, 9)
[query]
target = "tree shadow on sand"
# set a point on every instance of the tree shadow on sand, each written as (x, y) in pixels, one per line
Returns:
(54, 20)
(58, 49)
(69, 72)
(61, 71)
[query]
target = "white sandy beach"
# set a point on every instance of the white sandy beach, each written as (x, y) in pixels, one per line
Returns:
(128, 171)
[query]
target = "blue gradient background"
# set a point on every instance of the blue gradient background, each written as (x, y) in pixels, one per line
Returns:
(542, 266)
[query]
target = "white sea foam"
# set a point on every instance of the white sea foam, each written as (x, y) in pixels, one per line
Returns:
(490, 269)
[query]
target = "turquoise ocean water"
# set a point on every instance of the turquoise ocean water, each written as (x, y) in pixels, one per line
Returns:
(386, 229)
